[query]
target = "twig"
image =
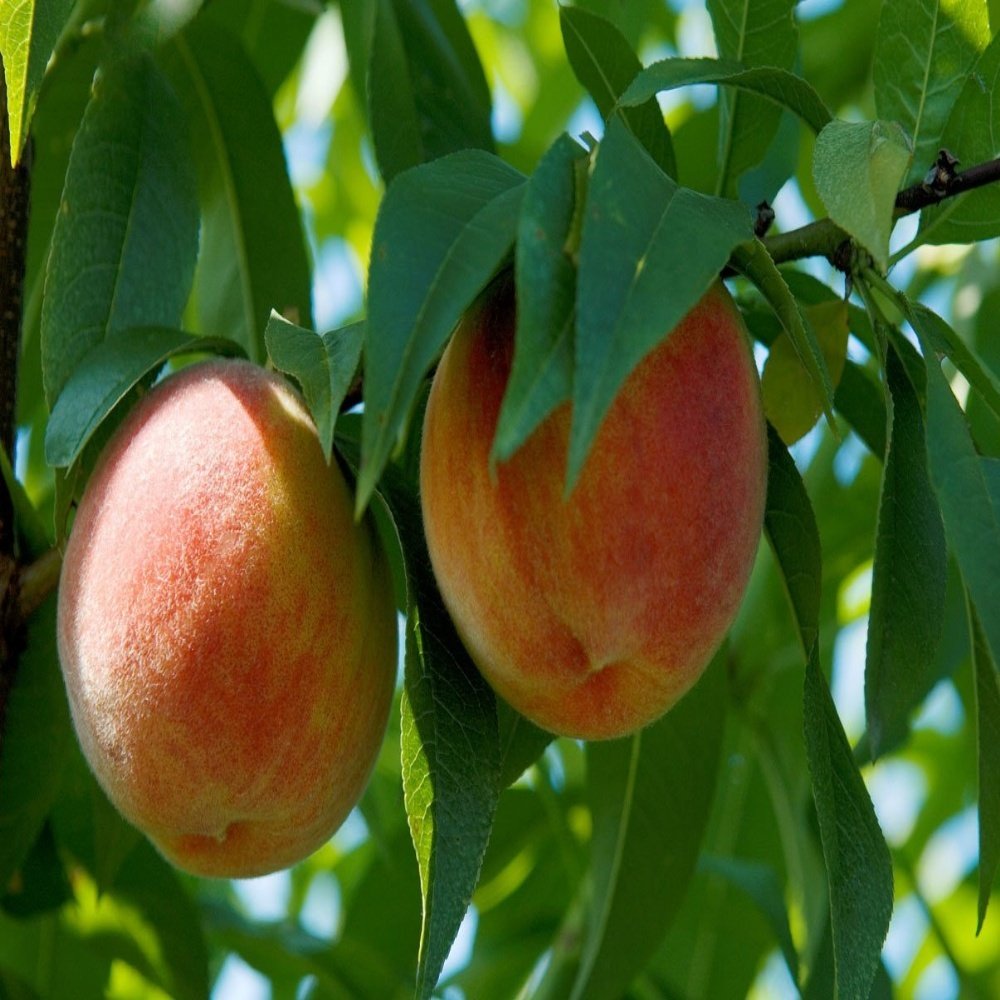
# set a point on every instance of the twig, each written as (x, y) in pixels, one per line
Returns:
(824, 238)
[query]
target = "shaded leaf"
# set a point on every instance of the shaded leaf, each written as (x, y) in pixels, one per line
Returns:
(642, 858)
(924, 50)
(253, 256)
(442, 231)
(427, 95)
(971, 521)
(126, 237)
(106, 374)
(760, 882)
(778, 85)
(791, 529)
(605, 64)
(791, 402)
(753, 261)
(862, 403)
(971, 136)
(541, 376)
(761, 33)
(29, 30)
(37, 738)
(859, 168)
(649, 251)
(521, 743)
(988, 754)
(324, 364)
(858, 865)
(908, 576)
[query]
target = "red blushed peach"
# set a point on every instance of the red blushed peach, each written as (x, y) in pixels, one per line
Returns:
(227, 632)
(593, 614)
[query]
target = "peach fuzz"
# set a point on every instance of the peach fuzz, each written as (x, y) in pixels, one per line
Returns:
(227, 632)
(593, 614)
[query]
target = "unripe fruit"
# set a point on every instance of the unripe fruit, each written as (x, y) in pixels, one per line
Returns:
(227, 632)
(592, 615)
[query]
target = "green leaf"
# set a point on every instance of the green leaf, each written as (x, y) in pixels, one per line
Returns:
(605, 64)
(29, 30)
(757, 33)
(778, 85)
(859, 869)
(37, 738)
(791, 401)
(650, 250)
(753, 261)
(107, 373)
(325, 365)
(760, 882)
(862, 403)
(988, 758)
(521, 743)
(909, 574)
(969, 135)
(971, 521)
(253, 256)
(427, 95)
(442, 231)
(126, 238)
(29, 528)
(924, 51)
(859, 168)
(858, 865)
(541, 376)
(642, 857)
(450, 748)
(791, 529)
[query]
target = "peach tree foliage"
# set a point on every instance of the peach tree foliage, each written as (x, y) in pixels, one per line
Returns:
(149, 216)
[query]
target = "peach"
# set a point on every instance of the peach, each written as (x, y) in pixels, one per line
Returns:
(227, 632)
(593, 614)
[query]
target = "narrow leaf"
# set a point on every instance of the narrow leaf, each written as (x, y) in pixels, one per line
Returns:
(650, 250)
(29, 30)
(859, 869)
(105, 375)
(642, 858)
(791, 529)
(792, 403)
(541, 376)
(761, 33)
(253, 257)
(924, 51)
(858, 168)
(442, 231)
(909, 575)
(325, 365)
(427, 94)
(971, 136)
(126, 237)
(36, 741)
(858, 865)
(605, 64)
(450, 748)
(753, 261)
(988, 755)
(521, 743)
(781, 86)
(760, 882)
(971, 521)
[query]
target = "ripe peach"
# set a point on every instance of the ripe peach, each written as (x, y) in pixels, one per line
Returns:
(227, 632)
(592, 615)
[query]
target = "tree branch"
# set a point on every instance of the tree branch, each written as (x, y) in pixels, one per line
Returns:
(824, 238)
(14, 194)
